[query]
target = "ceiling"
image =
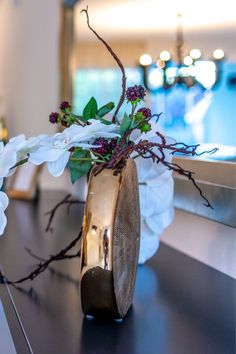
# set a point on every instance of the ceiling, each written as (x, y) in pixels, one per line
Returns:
(142, 18)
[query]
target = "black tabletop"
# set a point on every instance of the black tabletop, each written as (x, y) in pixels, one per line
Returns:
(180, 305)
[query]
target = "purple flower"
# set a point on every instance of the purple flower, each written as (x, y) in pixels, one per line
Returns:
(113, 143)
(136, 92)
(53, 118)
(65, 105)
(64, 123)
(103, 146)
(145, 111)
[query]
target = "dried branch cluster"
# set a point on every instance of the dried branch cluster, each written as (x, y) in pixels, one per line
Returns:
(156, 152)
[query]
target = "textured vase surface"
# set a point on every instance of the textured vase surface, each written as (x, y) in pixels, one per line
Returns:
(110, 244)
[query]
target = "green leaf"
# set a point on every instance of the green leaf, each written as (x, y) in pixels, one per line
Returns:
(105, 121)
(105, 109)
(90, 110)
(125, 124)
(81, 118)
(79, 168)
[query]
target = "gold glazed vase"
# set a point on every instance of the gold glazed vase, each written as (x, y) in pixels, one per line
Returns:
(110, 243)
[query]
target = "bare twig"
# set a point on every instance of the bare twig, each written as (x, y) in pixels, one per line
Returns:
(52, 212)
(68, 256)
(177, 168)
(122, 97)
(43, 265)
(145, 149)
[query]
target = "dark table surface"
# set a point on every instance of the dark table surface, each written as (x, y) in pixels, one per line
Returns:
(180, 305)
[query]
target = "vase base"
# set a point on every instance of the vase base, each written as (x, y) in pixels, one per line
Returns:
(97, 294)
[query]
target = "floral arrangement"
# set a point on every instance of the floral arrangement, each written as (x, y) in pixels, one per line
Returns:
(94, 139)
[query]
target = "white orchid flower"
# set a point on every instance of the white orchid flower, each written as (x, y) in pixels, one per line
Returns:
(55, 150)
(18, 142)
(3, 205)
(16, 150)
(95, 129)
(8, 158)
(23, 147)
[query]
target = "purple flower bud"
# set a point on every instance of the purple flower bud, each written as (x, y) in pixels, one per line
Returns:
(136, 92)
(53, 118)
(64, 105)
(145, 111)
(64, 123)
(103, 144)
(113, 143)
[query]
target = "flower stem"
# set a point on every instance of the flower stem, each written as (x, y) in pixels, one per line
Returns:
(99, 155)
(134, 106)
(19, 163)
(85, 159)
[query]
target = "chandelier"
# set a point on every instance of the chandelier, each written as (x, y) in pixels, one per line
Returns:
(186, 68)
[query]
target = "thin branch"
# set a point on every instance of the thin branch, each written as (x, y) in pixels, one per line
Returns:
(43, 265)
(177, 168)
(145, 149)
(210, 152)
(122, 97)
(157, 116)
(52, 212)
(35, 256)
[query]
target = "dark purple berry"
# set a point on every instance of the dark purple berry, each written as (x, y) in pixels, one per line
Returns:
(65, 105)
(103, 144)
(145, 111)
(64, 123)
(113, 143)
(136, 92)
(53, 118)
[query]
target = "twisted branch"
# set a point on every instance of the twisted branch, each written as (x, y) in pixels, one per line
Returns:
(122, 97)
(52, 212)
(145, 149)
(43, 265)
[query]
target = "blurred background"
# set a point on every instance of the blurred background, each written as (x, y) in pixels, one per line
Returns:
(182, 51)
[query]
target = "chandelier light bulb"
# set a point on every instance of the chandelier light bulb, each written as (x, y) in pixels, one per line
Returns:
(218, 54)
(160, 63)
(145, 59)
(165, 55)
(188, 60)
(188, 67)
(195, 53)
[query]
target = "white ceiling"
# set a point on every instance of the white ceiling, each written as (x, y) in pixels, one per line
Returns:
(142, 18)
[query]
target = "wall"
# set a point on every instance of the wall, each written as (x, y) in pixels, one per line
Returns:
(207, 241)
(94, 54)
(29, 67)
